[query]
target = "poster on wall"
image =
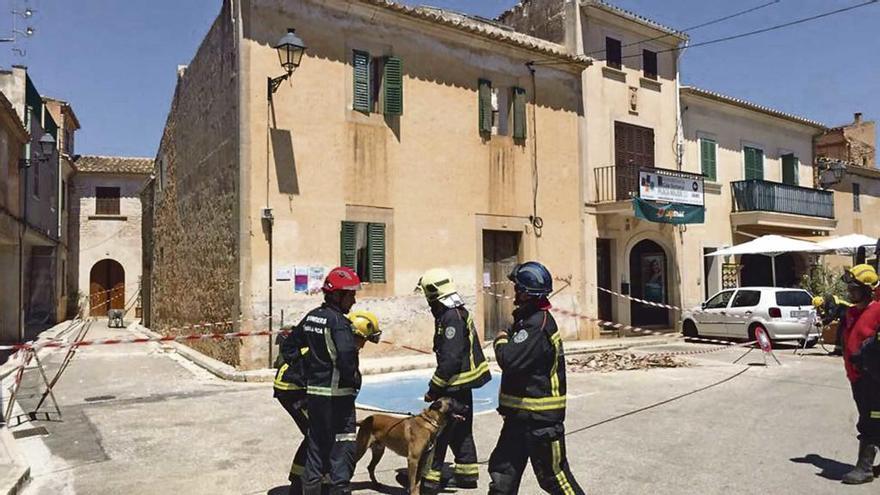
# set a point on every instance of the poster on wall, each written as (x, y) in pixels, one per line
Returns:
(301, 279)
(316, 279)
(729, 276)
(653, 277)
(283, 274)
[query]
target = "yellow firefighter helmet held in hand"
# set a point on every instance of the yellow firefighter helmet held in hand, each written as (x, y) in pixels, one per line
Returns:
(818, 301)
(366, 325)
(864, 275)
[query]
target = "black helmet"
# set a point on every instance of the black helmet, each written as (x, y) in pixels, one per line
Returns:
(532, 278)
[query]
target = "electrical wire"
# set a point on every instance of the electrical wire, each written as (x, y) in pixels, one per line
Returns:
(767, 29)
(694, 28)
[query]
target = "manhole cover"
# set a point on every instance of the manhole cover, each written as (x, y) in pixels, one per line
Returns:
(30, 432)
(99, 398)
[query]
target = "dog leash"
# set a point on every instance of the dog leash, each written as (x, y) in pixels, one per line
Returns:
(385, 411)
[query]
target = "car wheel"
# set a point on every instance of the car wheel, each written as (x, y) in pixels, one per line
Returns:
(689, 329)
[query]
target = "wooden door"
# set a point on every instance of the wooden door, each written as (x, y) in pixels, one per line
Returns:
(106, 287)
(500, 256)
(633, 149)
(603, 275)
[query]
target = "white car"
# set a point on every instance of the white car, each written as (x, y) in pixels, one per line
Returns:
(786, 314)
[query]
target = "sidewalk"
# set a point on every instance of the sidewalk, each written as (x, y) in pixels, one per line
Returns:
(14, 471)
(391, 364)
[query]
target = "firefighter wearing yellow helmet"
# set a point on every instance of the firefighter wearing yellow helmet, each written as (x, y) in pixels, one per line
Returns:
(365, 326)
(461, 367)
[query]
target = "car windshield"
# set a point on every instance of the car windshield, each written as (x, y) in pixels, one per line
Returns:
(793, 298)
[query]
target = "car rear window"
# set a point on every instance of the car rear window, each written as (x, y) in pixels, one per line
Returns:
(793, 298)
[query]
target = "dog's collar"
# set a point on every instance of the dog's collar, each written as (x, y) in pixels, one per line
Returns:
(430, 421)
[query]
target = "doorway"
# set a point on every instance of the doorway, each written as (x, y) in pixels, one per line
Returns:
(711, 274)
(106, 287)
(500, 256)
(603, 278)
(649, 281)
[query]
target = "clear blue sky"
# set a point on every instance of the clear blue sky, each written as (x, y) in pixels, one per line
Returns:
(115, 61)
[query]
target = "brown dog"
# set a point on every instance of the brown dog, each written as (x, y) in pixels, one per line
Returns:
(411, 437)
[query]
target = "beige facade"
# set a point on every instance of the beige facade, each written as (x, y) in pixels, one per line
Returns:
(445, 194)
(106, 211)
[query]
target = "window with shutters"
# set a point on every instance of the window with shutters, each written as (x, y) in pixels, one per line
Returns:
(649, 64)
(363, 250)
(709, 158)
(107, 201)
(612, 53)
(377, 84)
(754, 162)
(633, 150)
(790, 169)
(501, 111)
(484, 106)
(856, 194)
(520, 115)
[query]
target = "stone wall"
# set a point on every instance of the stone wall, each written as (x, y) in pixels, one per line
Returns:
(195, 215)
(540, 18)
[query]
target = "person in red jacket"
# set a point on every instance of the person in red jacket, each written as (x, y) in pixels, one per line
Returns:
(862, 323)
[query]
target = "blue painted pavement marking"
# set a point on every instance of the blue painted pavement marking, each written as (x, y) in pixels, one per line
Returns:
(404, 392)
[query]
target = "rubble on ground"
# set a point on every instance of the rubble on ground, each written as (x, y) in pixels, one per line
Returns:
(607, 362)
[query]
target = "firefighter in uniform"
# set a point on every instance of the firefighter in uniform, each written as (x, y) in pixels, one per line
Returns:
(532, 395)
(830, 309)
(290, 383)
(862, 322)
(461, 368)
(332, 384)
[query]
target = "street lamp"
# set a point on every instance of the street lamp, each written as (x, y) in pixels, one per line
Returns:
(290, 50)
(44, 152)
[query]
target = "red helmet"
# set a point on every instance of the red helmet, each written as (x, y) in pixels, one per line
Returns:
(341, 278)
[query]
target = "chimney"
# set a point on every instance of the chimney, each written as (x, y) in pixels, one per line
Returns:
(857, 117)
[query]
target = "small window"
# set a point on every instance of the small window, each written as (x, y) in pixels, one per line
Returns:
(790, 169)
(754, 162)
(720, 300)
(363, 249)
(107, 201)
(792, 298)
(612, 53)
(649, 64)
(856, 194)
(500, 111)
(709, 158)
(746, 299)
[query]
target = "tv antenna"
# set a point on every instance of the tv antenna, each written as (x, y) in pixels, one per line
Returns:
(27, 13)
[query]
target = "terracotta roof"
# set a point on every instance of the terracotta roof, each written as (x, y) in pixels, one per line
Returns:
(690, 90)
(484, 29)
(600, 4)
(113, 165)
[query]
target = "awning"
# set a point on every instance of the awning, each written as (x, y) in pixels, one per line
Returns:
(849, 244)
(770, 245)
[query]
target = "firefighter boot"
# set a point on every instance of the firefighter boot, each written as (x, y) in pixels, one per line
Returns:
(864, 470)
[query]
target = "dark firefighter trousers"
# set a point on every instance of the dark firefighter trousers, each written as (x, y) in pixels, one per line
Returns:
(542, 443)
(866, 392)
(295, 405)
(332, 447)
(459, 436)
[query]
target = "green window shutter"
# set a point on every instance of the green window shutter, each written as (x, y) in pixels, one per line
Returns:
(393, 81)
(361, 63)
(519, 114)
(376, 252)
(754, 158)
(485, 106)
(348, 245)
(790, 169)
(708, 158)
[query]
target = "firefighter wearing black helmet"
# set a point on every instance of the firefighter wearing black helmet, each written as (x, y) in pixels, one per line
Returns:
(532, 396)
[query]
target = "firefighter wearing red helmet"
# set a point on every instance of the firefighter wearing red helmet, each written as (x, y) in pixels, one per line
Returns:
(333, 381)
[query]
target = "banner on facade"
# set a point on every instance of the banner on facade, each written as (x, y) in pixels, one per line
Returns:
(673, 213)
(671, 189)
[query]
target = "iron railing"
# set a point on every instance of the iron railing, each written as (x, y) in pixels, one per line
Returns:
(616, 183)
(761, 195)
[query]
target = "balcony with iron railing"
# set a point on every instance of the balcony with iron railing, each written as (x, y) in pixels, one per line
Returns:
(764, 196)
(621, 182)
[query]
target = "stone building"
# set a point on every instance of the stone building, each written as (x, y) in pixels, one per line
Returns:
(13, 138)
(40, 204)
(854, 143)
(409, 138)
(105, 226)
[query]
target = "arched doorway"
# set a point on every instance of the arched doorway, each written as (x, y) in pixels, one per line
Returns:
(648, 268)
(106, 287)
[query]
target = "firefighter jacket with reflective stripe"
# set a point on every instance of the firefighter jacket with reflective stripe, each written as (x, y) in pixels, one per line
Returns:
(461, 364)
(532, 361)
(291, 375)
(332, 359)
(861, 325)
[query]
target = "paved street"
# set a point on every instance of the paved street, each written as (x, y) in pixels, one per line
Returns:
(138, 419)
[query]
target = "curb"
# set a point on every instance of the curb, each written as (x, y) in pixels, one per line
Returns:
(227, 372)
(12, 484)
